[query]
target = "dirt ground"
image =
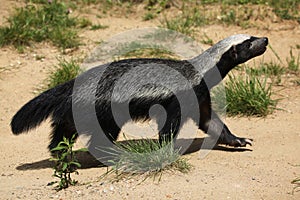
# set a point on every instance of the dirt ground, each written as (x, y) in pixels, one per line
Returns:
(263, 171)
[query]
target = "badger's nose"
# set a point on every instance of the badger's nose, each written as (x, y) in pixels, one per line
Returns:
(266, 40)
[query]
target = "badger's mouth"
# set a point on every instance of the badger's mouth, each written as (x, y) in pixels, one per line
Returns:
(259, 46)
(261, 50)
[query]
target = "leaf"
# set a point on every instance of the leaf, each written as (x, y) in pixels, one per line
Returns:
(65, 166)
(58, 148)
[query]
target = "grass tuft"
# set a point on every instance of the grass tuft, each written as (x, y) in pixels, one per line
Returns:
(293, 62)
(147, 157)
(185, 22)
(249, 96)
(64, 71)
(43, 22)
(271, 70)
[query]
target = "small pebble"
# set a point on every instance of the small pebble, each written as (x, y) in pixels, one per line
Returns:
(111, 188)
(78, 192)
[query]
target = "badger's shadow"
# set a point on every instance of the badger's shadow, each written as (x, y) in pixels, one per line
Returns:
(89, 161)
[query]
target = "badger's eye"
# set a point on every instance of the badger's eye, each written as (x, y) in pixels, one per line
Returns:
(248, 45)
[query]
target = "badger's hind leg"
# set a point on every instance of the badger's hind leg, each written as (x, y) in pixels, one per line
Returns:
(169, 128)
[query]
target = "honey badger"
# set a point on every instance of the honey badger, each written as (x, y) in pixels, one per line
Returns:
(200, 72)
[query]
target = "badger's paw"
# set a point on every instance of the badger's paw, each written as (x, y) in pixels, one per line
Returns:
(236, 141)
(241, 142)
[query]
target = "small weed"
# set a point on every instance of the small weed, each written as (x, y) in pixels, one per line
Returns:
(207, 40)
(65, 163)
(271, 70)
(64, 71)
(83, 23)
(293, 62)
(182, 24)
(158, 6)
(186, 22)
(146, 156)
(98, 26)
(248, 96)
(39, 57)
(228, 17)
(148, 16)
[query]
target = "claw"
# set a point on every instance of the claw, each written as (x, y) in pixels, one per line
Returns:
(249, 141)
(241, 142)
(237, 143)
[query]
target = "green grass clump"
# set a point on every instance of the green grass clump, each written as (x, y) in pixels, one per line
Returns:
(207, 40)
(97, 27)
(185, 22)
(248, 96)
(64, 71)
(36, 23)
(146, 156)
(271, 70)
(148, 16)
(284, 9)
(293, 62)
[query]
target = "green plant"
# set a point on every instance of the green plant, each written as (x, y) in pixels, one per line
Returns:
(65, 162)
(145, 156)
(228, 17)
(36, 23)
(248, 96)
(148, 16)
(285, 9)
(64, 71)
(98, 26)
(271, 70)
(157, 6)
(207, 40)
(186, 22)
(296, 182)
(293, 62)
(182, 24)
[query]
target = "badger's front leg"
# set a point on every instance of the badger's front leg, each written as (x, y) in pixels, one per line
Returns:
(211, 124)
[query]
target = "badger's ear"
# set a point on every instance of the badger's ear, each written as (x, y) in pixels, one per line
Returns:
(233, 52)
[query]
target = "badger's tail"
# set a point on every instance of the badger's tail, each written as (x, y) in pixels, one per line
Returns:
(55, 100)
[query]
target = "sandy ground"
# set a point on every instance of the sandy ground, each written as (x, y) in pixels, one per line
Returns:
(263, 171)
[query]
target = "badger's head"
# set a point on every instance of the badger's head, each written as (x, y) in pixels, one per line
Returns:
(226, 54)
(248, 49)
(240, 48)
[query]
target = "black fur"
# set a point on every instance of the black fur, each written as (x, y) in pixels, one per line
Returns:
(57, 101)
